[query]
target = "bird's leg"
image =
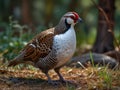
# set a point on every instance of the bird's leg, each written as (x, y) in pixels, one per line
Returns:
(49, 79)
(60, 76)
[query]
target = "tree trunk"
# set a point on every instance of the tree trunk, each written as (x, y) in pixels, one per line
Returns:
(104, 39)
(49, 7)
(26, 13)
(26, 19)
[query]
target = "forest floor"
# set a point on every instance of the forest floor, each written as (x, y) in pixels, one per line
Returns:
(97, 78)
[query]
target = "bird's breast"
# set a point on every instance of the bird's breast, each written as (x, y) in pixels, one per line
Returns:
(65, 45)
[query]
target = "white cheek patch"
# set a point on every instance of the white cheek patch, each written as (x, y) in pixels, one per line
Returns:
(70, 21)
(70, 14)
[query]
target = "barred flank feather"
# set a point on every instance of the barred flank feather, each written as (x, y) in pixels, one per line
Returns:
(48, 62)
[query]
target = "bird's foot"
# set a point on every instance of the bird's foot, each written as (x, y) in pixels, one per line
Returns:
(67, 81)
(57, 83)
(54, 83)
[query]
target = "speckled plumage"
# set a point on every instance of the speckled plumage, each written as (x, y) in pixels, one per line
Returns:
(52, 48)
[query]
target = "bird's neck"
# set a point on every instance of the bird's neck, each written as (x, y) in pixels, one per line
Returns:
(62, 27)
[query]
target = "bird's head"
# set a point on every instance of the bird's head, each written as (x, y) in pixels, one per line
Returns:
(67, 20)
(72, 18)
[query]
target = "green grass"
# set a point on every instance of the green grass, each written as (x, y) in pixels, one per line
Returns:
(107, 78)
(104, 74)
(91, 57)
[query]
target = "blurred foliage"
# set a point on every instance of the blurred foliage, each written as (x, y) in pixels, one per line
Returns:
(13, 39)
(15, 32)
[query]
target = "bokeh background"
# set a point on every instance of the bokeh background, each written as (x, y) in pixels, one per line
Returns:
(20, 20)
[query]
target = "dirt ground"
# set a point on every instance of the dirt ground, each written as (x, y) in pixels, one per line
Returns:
(83, 79)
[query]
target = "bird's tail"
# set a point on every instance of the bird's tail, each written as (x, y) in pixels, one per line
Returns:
(17, 60)
(14, 62)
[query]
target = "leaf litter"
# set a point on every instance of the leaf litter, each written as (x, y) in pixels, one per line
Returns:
(91, 78)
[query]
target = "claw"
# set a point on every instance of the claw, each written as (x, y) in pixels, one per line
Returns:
(66, 81)
(54, 83)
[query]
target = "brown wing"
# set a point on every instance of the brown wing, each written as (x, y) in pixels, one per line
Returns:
(38, 47)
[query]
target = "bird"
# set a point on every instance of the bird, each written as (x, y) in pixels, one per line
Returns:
(51, 48)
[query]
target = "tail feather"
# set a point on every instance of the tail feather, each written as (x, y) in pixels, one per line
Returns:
(14, 62)
(17, 60)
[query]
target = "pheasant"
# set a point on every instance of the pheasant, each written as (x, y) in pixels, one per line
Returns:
(52, 48)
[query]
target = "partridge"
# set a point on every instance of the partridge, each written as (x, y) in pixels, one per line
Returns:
(52, 48)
